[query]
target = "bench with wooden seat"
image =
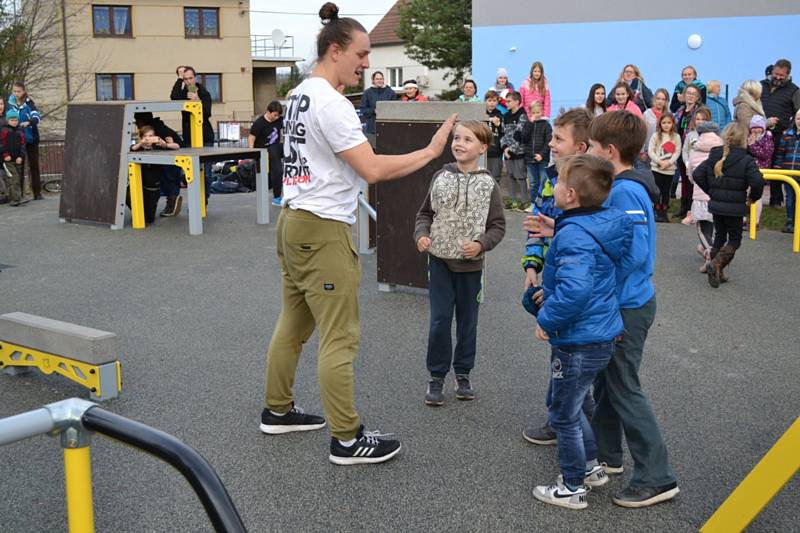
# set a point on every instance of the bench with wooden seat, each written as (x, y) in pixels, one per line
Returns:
(84, 355)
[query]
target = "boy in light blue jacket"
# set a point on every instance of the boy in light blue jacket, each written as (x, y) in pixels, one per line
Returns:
(579, 315)
(622, 409)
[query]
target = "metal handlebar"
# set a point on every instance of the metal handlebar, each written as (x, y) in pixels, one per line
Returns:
(197, 471)
(73, 420)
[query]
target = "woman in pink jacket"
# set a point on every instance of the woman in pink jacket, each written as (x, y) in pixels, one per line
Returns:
(535, 89)
(623, 100)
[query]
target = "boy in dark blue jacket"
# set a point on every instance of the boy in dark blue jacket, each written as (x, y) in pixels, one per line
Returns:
(579, 315)
(621, 404)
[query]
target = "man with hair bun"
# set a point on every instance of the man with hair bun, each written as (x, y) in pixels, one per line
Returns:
(325, 152)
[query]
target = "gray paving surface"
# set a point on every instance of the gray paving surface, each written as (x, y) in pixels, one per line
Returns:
(194, 316)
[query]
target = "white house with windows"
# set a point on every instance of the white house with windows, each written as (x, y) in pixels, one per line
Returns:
(388, 55)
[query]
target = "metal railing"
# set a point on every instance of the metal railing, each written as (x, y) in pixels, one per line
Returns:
(74, 421)
(364, 213)
(263, 46)
(233, 133)
(788, 177)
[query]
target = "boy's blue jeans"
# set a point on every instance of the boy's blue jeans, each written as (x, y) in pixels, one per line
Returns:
(536, 176)
(572, 371)
(450, 292)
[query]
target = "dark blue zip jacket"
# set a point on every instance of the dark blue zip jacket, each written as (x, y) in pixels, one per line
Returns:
(580, 276)
(369, 101)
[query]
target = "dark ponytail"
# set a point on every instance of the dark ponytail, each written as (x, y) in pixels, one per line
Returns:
(335, 30)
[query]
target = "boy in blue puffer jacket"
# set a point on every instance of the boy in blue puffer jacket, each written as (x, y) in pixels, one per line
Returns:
(579, 315)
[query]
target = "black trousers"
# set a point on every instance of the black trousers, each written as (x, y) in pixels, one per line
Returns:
(664, 181)
(727, 230)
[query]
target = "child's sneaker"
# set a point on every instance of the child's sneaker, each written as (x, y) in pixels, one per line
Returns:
(596, 477)
(294, 420)
(277, 202)
(560, 495)
(463, 388)
(435, 394)
(370, 447)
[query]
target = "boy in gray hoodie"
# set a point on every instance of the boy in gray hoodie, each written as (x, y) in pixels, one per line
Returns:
(461, 219)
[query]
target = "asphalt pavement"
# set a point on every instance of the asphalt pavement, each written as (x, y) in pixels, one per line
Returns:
(194, 316)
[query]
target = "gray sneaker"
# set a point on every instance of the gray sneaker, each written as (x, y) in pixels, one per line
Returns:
(543, 436)
(463, 388)
(435, 394)
(559, 494)
(596, 477)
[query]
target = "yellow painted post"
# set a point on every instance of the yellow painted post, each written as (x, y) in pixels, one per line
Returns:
(753, 224)
(196, 125)
(768, 477)
(78, 474)
(137, 198)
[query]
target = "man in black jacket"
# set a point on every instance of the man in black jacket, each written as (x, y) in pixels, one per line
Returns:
(781, 100)
(191, 90)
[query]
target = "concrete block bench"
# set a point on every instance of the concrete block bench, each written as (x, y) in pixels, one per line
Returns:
(84, 355)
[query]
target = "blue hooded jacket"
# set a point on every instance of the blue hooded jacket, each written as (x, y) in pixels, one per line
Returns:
(27, 113)
(634, 192)
(580, 276)
(545, 204)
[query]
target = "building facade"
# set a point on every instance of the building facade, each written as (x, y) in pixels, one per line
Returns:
(129, 50)
(583, 43)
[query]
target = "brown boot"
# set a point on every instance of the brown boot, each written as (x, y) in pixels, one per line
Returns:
(726, 253)
(713, 269)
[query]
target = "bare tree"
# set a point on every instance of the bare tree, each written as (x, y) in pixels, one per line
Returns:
(36, 46)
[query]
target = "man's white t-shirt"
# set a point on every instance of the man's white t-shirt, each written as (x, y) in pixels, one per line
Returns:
(320, 123)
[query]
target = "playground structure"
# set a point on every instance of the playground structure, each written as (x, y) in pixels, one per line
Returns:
(74, 421)
(84, 355)
(98, 164)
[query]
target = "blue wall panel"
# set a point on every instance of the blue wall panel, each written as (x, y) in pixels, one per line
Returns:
(577, 55)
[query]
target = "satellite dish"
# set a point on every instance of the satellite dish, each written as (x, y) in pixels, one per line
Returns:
(278, 38)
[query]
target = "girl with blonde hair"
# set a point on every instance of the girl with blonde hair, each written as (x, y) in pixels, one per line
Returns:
(747, 103)
(535, 88)
(726, 176)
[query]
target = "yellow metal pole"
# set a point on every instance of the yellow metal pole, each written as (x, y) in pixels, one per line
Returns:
(196, 125)
(753, 224)
(137, 195)
(785, 176)
(78, 474)
(768, 477)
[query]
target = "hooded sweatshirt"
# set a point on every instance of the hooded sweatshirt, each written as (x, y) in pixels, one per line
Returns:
(459, 208)
(698, 154)
(580, 276)
(635, 191)
(530, 95)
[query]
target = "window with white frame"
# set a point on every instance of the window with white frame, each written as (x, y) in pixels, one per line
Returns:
(395, 76)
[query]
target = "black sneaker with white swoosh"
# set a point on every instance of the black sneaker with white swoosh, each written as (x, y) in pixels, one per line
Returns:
(370, 447)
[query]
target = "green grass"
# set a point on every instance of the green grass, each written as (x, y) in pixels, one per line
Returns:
(773, 218)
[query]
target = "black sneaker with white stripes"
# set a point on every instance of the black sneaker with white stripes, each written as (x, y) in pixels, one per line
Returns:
(294, 420)
(370, 447)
